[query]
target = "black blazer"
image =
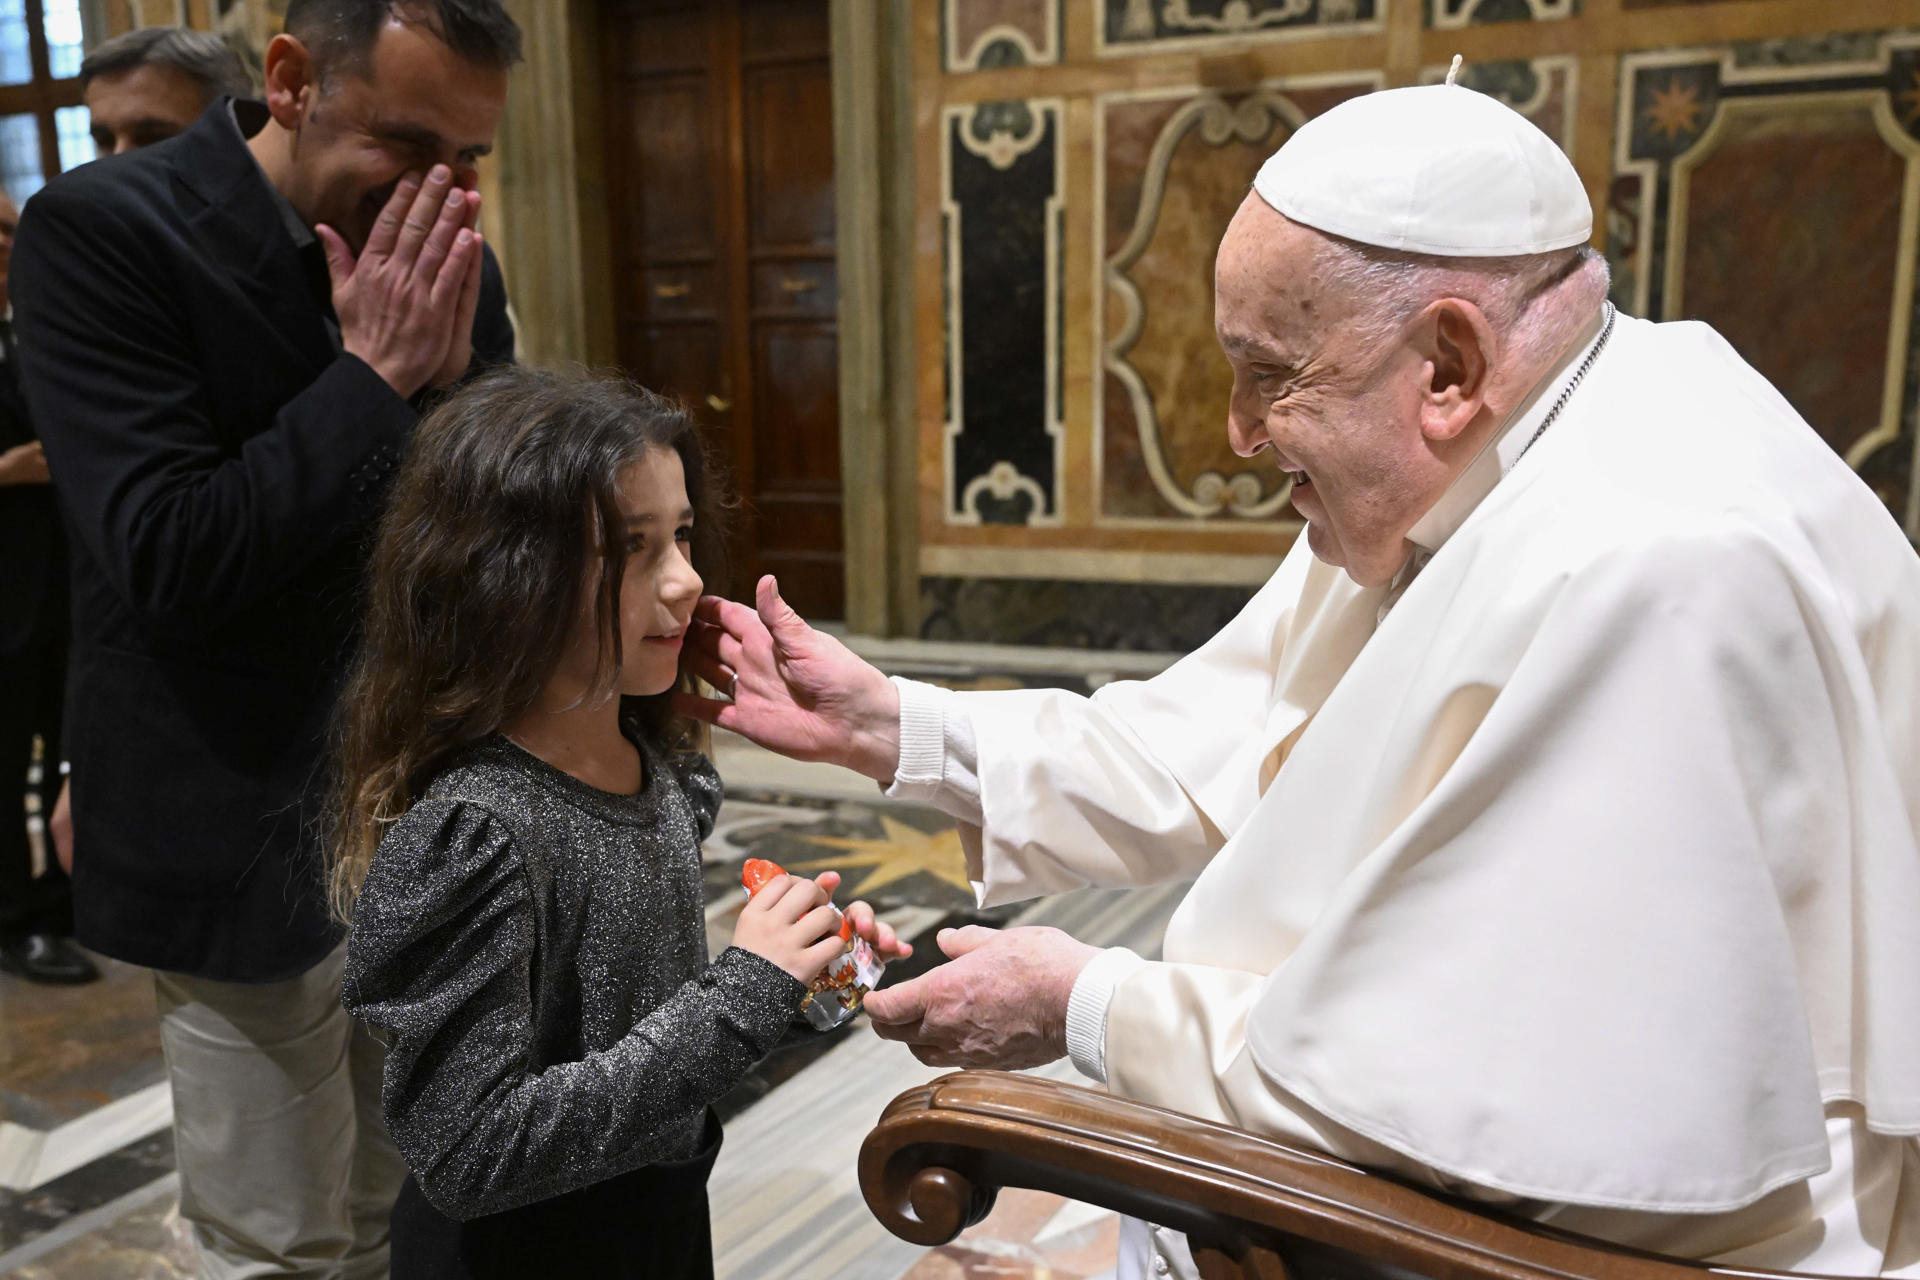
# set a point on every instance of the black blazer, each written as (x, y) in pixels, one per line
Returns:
(33, 567)
(220, 468)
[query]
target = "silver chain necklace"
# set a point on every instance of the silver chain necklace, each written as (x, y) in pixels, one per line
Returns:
(1566, 392)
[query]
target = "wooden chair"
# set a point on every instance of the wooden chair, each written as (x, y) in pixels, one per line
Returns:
(1250, 1207)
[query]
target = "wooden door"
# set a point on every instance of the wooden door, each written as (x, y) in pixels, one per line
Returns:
(719, 120)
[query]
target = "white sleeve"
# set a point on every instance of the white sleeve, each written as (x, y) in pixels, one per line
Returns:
(1142, 782)
(1087, 1009)
(939, 764)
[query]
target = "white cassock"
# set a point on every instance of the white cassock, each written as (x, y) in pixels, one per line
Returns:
(1579, 871)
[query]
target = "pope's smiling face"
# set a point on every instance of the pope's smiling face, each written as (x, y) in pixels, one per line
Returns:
(1343, 413)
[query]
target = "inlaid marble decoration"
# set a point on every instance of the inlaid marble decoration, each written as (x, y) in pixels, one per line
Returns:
(1802, 157)
(1171, 166)
(1138, 617)
(1447, 14)
(1002, 182)
(1154, 26)
(980, 35)
(1544, 90)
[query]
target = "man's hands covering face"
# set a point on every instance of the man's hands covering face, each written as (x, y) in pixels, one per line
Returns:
(406, 304)
(793, 690)
(1000, 1001)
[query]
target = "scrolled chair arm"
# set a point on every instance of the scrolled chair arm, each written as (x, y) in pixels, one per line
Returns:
(940, 1153)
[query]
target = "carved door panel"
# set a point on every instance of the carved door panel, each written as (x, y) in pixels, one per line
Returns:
(720, 131)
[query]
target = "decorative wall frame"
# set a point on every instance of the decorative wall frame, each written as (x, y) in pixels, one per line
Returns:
(1447, 15)
(980, 35)
(1129, 477)
(1003, 185)
(1804, 155)
(1138, 481)
(1125, 27)
(1544, 90)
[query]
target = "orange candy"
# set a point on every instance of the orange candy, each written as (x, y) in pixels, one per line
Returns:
(756, 872)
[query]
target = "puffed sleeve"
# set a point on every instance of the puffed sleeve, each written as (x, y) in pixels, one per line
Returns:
(440, 957)
(700, 782)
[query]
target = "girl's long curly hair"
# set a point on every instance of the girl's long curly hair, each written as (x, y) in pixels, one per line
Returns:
(506, 506)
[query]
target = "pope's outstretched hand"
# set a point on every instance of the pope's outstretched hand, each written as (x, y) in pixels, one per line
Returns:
(789, 688)
(999, 1001)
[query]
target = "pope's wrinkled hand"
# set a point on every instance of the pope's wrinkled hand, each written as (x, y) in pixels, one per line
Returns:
(1000, 1001)
(789, 688)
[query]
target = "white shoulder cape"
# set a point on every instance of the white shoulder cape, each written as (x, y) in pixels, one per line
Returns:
(1594, 871)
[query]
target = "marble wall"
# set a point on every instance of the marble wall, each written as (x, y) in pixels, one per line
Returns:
(245, 24)
(1753, 166)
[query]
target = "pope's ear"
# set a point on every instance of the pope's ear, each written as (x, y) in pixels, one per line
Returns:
(289, 81)
(1459, 353)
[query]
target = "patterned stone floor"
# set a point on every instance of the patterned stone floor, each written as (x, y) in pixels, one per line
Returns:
(86, 1184)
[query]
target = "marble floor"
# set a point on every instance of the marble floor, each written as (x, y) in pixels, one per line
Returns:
(87, 1190)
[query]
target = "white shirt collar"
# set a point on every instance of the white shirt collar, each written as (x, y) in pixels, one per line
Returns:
(1502, 449)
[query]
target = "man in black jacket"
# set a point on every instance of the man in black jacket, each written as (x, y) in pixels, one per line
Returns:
(35, 910)
(226, 339)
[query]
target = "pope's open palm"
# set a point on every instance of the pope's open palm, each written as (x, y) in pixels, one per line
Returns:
(792, 689)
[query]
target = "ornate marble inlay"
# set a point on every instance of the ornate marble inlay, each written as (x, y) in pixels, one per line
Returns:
(980, 35)
(1173, 166)
(1002, 183)
(1772, 189)
(1151, 26)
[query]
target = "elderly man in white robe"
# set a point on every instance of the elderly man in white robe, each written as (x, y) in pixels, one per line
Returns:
(1554, 811)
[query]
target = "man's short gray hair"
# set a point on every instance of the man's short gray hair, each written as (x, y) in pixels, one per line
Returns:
(1393, 286)
(207, 58)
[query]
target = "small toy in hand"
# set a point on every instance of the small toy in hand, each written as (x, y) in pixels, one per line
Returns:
(835, 996)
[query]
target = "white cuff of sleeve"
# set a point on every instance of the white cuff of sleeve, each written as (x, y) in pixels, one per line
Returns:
(923, 741)
(1087, 1009)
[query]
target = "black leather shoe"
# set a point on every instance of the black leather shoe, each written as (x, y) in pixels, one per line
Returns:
(41, 957)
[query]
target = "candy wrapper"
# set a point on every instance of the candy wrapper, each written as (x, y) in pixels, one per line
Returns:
(836, 994)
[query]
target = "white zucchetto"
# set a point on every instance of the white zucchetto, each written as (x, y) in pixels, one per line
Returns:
(1438, 169)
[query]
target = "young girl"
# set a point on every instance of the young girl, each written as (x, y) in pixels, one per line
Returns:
(518, 843)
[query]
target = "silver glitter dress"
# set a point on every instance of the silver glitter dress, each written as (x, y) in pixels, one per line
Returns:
(534, 951)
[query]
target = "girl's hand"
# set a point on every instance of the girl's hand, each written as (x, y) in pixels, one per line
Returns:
(886, 944)
(788, 923)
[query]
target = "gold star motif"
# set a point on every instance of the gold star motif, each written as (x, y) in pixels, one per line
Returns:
(1676, 110)
(902, 852)
(1910, 100)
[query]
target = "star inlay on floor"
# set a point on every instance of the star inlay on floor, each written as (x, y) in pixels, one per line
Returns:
(901, 852)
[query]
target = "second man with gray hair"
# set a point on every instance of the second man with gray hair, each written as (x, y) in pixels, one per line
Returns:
(149, 84)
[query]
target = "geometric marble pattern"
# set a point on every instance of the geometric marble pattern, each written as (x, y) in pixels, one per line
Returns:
(1447, 14)
(1002, 189)
(66, 1095)
(139, 1236)
(32, 1214)
(1544, 90)
(1772, 189)
(1158, 26)
(1136, 617)
(1733, 180)
(1172, 166)
(980, 35)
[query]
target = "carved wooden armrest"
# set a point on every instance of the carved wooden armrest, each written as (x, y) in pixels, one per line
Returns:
(940, 1153)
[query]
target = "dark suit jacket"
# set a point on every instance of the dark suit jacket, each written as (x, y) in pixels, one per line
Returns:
(33, 567)
(220, 467)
